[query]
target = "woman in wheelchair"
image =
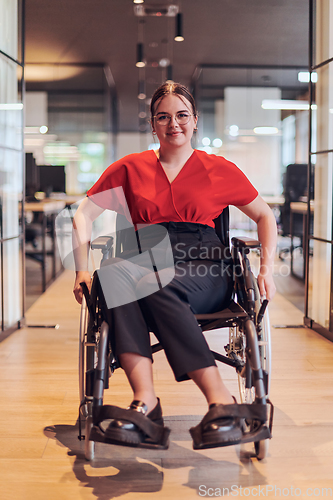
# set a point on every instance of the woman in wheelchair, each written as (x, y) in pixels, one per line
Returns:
(181, 191)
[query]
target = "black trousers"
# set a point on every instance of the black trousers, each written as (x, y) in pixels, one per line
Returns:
(166, 305)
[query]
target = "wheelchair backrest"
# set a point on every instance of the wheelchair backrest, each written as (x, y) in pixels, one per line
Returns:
(128, 239)
(222, 227)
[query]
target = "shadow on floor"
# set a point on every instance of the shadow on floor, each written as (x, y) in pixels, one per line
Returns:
(118, 470)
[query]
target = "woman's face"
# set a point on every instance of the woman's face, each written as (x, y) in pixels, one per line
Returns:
(172, 134)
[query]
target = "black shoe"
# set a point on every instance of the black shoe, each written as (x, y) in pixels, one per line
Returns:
(137, 428)
(155, 415)
(225, 429)
(219, 427)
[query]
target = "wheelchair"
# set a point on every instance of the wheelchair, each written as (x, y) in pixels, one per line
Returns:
(248, 350)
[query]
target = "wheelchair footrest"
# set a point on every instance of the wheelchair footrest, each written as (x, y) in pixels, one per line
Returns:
(253, 423)
(263, 429)
(99, 436)
(259, 434)
(146, 434)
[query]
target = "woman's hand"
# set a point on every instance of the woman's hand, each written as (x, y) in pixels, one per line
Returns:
(87, 212)
(266, 284)
(260, 213)
(81, 277)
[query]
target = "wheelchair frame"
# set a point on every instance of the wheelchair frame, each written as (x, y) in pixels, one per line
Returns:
(248, 350)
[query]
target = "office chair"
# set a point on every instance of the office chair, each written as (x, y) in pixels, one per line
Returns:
(294, 187)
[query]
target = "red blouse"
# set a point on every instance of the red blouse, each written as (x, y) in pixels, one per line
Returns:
(203, 188)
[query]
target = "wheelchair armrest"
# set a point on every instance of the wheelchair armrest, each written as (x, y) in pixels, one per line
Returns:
(245, 242)
(103, 243)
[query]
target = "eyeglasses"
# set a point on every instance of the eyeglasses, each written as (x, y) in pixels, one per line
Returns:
(181, 118)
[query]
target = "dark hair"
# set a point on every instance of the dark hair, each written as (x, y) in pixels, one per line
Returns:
(172, 88)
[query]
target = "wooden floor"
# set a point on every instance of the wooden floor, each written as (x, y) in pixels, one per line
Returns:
(41, 457)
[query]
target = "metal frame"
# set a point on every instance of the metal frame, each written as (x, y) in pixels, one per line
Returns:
(4, 333)
(309, 322)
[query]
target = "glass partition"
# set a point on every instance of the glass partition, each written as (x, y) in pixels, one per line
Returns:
(319, 290)
(11, 164)
(248, 114)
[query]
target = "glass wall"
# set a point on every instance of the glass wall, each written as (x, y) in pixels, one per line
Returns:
(248, 114)
(11, 164)
(81, 121)
(319, 302)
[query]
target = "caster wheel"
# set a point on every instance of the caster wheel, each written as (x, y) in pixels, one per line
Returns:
(261, 449)
(89, 449)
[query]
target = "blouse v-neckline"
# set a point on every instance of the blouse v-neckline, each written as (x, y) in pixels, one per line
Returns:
(180, 171)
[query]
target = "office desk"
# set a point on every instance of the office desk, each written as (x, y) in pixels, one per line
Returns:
(274, 201)
(299, 207)
(48, 209)
(69, 199)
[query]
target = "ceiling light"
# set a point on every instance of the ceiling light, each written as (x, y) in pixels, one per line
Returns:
(138, 1)
(304, 76)
(164, 62)
(17, 106)
(265, 130)
(43, 129)
(50, 72)
(179, 28)
(217, 143)
(284, 104)
(140, 63)
(233, 130)
(155, 10)
(206, 141)
(142, 90)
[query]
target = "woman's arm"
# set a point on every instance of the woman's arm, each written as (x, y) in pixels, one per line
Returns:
(259, 212)
(85, 215)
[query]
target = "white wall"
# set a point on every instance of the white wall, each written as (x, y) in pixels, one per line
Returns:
(132, 142)
(258, 156)
(36, 109)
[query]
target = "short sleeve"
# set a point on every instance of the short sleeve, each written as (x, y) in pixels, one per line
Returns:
(108, 190)
(238, 189)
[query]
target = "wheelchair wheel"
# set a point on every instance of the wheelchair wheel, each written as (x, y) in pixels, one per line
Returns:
(82, 340)
(247, 395)
(89, 446)
(261, 449)
(87, 359)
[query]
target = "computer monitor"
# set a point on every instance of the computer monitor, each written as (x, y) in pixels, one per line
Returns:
(31, 175)
(52, 178)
